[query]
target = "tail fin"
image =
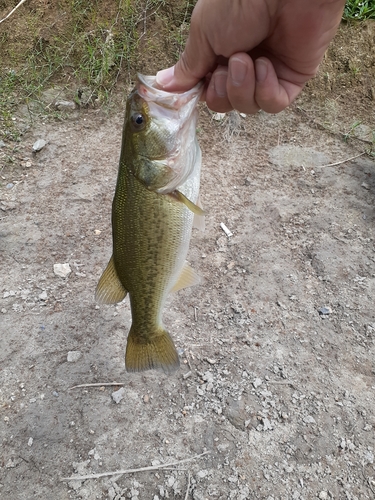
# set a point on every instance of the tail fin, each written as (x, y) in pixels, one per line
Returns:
(156, 351)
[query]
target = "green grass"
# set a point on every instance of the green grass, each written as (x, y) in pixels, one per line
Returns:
(95, 47)
(359, 10)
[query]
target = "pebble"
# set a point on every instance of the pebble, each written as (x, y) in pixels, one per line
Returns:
(218, 116)
(9, 185)
(30, 442)
(39, 144)
(365, 185)
(117, 396)
(2, 144)
(73, 356)
(43, 295)
(323, 495)
(65, 105)
(257, 382)
(62, 270)
(324, 311)
(202, 473)
(309, 420)
(146, 398)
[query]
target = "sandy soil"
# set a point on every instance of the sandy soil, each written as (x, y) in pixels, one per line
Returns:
(277, 345)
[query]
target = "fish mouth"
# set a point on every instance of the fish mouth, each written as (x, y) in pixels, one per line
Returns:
(175, 112)
(149, 91)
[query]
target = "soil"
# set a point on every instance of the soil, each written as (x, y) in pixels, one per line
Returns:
(276, 382)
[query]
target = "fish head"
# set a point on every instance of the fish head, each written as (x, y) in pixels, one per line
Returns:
(160, 128)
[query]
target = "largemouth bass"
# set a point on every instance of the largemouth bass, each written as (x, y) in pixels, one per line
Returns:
(152, 217)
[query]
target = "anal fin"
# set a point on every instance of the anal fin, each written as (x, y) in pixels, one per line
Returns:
(188, 277)
(110, 289)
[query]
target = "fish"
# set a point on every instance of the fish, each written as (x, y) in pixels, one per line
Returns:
(155, 205)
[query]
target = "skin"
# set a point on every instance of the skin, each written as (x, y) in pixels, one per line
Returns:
(254, 54)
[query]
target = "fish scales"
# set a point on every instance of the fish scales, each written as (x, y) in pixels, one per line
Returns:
(152, 217)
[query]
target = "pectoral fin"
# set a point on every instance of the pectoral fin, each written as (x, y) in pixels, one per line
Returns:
(188, 277)
(189, 204)
(110, 289)
(198, 221)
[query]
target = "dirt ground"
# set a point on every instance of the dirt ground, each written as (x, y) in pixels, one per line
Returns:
(276, 383)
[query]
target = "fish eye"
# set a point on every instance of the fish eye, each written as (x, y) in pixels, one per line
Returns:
(138, 121)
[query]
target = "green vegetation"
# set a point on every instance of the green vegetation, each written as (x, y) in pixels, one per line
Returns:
(85, 46)
(359, 10)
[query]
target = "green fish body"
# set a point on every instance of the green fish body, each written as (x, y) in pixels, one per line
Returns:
(152, 217)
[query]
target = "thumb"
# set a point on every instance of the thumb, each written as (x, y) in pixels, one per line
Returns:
(197, 60)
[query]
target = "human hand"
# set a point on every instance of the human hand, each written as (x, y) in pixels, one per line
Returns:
(254, 54)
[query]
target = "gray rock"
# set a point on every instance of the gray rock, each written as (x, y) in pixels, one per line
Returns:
(323, 311)
(73, 356)
(2, 144)
(62, 270)
(117, 396)
(257, 382)
(65, 105)
(39, 144)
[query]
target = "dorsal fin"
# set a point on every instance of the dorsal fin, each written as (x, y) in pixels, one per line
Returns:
(188, 277)
(110, 289)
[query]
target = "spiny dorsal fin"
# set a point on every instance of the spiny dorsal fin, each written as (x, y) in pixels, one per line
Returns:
(189, 204)
(188, 277)
(110, 289)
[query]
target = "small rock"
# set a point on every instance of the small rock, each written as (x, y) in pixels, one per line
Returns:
(218, 116)
(62, 270)
(247, 181)
(9, 185)
(30, 442)
(65, 105)
(28, 164)
(73, 356)
(309, 420)
(365, 185)
(324, 311)
(117, 396)
(267, 425)
(43, 295)
(323, 495)
(2, 144)
(3, 310)
(39, 144)
(257, 382)
(146, 398)
(202, 473)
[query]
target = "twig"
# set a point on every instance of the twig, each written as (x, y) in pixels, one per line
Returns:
(342, 161)
(132, 471)
(281, 382)
(106, 384)
(11, 12)
(188, 487)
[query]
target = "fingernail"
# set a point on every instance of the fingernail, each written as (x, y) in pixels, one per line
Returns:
(164, 76)
(237, 71)
(261, 70)
(220, 83)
